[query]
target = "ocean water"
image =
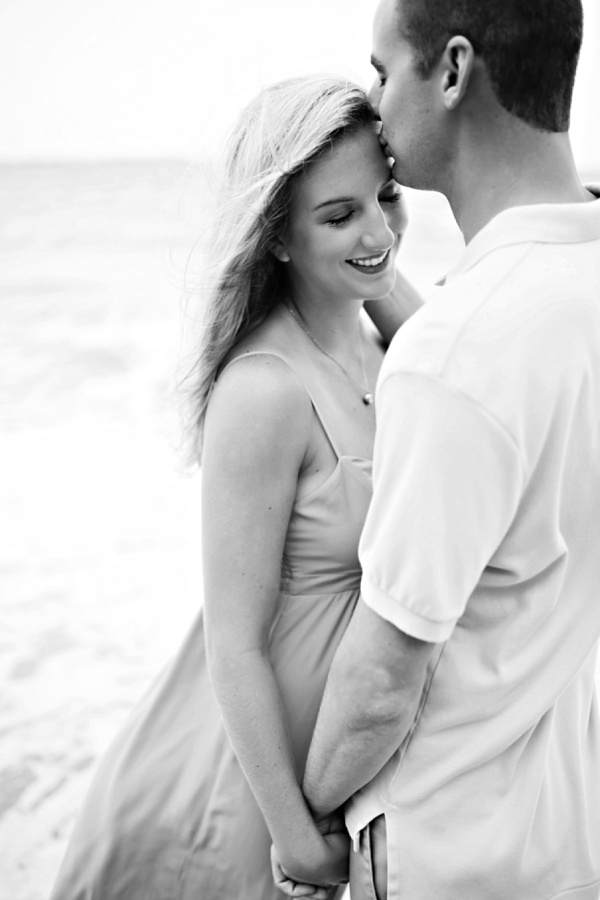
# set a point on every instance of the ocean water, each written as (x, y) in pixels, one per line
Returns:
(99, 531)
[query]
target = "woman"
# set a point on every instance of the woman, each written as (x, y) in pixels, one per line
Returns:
(203, 777)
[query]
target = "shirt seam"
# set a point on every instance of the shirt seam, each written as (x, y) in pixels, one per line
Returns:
(404, 749)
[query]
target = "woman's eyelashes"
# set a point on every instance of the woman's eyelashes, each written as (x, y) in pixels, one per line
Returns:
(394, 197)
(340, 220)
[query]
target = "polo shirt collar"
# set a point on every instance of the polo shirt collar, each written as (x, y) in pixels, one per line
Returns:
(553, 223)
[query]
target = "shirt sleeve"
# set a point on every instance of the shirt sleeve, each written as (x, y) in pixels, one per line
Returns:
(447, 482)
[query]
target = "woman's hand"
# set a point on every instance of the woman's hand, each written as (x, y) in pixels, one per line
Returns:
(292, 888)
(392, 311)
(319, 870)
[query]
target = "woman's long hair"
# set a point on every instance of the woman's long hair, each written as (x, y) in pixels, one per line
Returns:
(288, 126)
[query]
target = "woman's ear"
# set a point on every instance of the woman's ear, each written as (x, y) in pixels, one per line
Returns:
(458, 59)
(279, 252)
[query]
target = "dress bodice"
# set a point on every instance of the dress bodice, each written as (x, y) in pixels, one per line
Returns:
(321, 549)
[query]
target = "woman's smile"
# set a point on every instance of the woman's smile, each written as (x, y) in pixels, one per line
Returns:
(370, 265)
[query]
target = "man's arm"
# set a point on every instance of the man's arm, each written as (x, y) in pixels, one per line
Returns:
(447, 479)
(370, 702)
(369, 705)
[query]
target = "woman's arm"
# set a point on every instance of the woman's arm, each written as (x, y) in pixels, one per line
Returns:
(392, 311)
(255, 442)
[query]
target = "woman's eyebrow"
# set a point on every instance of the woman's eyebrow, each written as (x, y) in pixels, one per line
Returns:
(333, 202)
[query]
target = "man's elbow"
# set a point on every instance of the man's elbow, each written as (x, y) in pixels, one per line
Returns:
(377, 698)
(382, 686)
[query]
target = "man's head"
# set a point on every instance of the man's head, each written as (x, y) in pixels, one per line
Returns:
(426, 51)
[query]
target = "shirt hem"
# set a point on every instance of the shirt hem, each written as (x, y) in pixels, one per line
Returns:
(404, 619)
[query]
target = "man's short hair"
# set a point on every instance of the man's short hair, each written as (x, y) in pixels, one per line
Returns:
(530, 49)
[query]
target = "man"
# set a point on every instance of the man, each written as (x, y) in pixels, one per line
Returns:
(460, 713)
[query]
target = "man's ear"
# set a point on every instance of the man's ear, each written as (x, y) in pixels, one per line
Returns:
(279, 252)
(457, 66)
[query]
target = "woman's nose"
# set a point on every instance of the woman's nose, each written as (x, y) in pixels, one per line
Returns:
(377, 234)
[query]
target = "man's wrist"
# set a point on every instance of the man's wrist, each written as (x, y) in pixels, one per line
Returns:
(317, 808)
(333, 822)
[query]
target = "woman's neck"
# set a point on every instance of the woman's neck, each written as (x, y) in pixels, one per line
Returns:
(335, 325)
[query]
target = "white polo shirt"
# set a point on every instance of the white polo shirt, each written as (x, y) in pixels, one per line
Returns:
(484, 536)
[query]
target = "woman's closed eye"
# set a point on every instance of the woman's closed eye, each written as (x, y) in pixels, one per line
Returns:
(391, 194)
(341, 220)
(392, 198)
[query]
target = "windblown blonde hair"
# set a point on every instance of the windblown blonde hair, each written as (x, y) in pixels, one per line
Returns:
(285, 128)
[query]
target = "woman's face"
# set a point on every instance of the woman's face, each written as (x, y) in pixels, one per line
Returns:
(346, 220)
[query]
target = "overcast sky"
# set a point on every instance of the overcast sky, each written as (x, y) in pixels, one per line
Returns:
(141, 78)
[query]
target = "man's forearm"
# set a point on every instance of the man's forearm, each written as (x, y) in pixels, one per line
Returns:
(369, 705)
(345, 753)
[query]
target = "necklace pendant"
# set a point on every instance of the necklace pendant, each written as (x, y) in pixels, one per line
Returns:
(367, 398)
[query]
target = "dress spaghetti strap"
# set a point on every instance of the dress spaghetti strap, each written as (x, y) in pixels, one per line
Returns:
(316, 404)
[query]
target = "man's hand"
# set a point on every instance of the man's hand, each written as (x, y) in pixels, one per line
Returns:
(325, 868)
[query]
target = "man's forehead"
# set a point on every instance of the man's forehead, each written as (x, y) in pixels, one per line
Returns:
(385, 34)
(387, 12)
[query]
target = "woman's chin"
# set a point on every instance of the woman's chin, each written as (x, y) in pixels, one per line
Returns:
(381, 286)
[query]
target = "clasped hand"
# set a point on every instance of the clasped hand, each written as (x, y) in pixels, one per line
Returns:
(321, 870)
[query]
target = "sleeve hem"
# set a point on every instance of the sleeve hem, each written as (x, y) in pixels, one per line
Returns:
(404, 619)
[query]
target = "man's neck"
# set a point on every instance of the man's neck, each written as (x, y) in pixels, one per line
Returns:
(517, 166)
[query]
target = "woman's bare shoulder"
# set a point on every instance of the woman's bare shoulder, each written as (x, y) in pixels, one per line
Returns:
(259, 397)
(261, 375)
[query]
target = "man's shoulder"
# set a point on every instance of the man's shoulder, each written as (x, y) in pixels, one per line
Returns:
(512, 312)
(449, 320)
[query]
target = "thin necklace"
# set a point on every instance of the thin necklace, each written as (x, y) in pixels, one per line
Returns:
(365, 394)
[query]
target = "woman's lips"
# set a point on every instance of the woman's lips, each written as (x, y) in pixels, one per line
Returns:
(367, 267)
